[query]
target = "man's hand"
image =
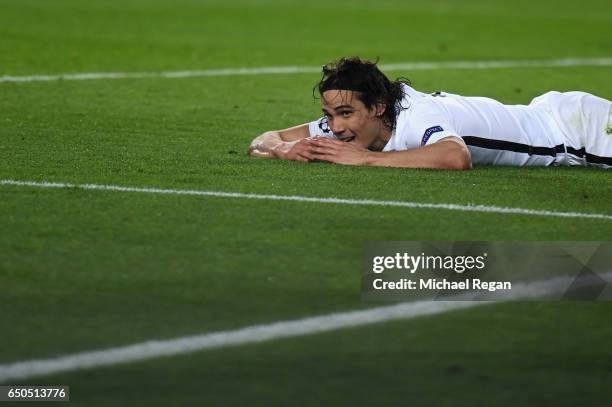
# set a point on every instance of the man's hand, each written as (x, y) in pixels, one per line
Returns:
(260, 153)
(293, 150)
(262, 145)
(449, 153)
(276, 144)
(335, 151)
(284, 150)
(288, 144)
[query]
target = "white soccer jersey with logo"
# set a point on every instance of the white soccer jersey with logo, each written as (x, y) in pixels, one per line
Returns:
(498, 134)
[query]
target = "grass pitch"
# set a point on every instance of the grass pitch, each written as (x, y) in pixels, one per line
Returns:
(85, 270)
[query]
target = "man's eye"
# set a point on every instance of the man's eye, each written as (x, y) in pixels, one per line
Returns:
(346, 114)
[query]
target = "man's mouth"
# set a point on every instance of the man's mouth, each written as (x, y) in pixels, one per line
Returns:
(347, 139)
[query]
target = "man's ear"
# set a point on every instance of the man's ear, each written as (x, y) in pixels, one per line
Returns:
(380, 109)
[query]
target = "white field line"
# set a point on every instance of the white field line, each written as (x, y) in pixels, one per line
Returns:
(340, 201)
(281, 70)
(267, 332)
(251, 334)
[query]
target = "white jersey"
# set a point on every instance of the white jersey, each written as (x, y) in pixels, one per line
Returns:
(541, 133)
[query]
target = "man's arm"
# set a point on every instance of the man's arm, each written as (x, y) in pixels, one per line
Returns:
(280, 143)
(449, 153)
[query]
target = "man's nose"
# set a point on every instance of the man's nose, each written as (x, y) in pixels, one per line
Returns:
(337, 127)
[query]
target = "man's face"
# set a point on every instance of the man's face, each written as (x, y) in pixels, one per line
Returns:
(350, 120)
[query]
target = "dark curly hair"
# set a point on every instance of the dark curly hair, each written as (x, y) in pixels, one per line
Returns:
(371, 85)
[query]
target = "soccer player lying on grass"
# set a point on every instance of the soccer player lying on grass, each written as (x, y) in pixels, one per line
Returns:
(370, 120)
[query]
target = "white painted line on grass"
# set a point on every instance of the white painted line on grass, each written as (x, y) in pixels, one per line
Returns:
(340, 201)
(267, 332)
(251, 334)
(283, 70)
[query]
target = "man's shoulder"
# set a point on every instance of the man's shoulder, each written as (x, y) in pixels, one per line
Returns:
(419, 109)
(422, 119)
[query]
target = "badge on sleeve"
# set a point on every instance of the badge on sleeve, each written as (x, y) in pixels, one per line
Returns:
(324, 125)
(429, 132)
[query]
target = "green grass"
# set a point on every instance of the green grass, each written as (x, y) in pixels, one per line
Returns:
(527, 354)
(84, 270)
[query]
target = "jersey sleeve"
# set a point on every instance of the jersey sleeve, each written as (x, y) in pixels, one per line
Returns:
(428, 124)
(320, 128)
